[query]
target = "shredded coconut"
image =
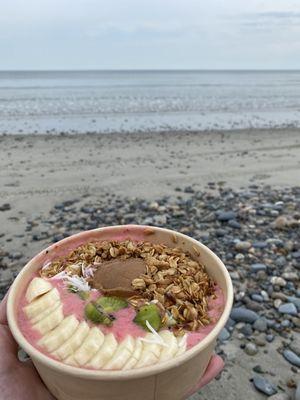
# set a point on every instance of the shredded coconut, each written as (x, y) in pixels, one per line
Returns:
(157, 339)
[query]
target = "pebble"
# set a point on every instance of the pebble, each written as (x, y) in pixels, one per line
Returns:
(264, 386)
(251, 349)
(270, 338)
(288, 308)
(225, 215)
(278, 281)
(241, 314)
(295, 346)
(290, 276)
(295, 301)
(5, 207)
(260, 325)
(224, 335)
(258, 267)
(234, 224)
(257, 297)
(242, 246)
(291, 357)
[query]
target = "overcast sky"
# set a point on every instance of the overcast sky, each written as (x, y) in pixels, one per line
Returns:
(122, 34)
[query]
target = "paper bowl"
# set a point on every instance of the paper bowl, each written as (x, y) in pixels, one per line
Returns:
(169, 380)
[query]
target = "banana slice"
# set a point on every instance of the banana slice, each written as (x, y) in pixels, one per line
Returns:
(135, 355)
(71, 361)
(171, 349)
(67, 348)
(150, 352)
(51, 321)
(105, 353)
(39, 305)
(45, 313)
(122, 354)
(36, 288)
(182, 344)
(89, 347)
(60, 334)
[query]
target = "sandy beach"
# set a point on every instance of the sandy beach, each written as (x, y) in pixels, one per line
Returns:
(45, 180)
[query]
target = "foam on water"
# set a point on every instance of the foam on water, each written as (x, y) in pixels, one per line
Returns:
(122, 101)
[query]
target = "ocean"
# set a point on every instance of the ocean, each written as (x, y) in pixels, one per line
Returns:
(125, 101)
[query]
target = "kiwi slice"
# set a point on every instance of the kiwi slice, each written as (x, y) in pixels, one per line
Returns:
(83, 295)
(111, 303)
(148, 313)
(95, 314)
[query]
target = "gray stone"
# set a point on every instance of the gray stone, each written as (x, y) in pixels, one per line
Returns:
(224, 335)
(270, 338)
(295, 346)
(251, 349)
(234, 224)
(288, 308)
(258, 267)
(291, 357)
(260, 245)
(264, 386)
(257, 297)
(241, 314)
(260, 324)
(295, 301)
(225, 215)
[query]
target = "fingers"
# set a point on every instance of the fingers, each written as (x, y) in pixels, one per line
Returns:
(214, 367)
(3, 318)
(8, 346)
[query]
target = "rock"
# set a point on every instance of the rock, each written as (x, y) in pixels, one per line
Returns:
(241, 314)
(270, 338)
(251, 349)
(258, 267)
(234, 224)
(225, 215)
(247, 330)
(260, 245)
(295, 301)
(288, 308)
(295, 347)
(290, 276)
(278, 281)
(5, 207)
(242, 246)
(264, 386)
(260, 325)
(291, 357)
(296, 254)
(257, 297)
(224, 335)
(283, 222)
(277, 303)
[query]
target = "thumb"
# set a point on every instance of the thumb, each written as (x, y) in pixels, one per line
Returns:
(8, 346)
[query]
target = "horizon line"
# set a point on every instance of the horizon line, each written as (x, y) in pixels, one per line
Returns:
(157, 70)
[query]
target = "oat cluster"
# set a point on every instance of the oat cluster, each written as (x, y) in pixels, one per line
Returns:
(176, 283)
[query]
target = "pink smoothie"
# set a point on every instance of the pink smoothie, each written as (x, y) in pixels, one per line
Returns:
(122, 326)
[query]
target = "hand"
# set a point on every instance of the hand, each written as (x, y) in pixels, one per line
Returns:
(215, 366)
(18, 380)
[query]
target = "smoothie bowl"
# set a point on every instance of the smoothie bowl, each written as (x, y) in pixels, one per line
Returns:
(123, 312)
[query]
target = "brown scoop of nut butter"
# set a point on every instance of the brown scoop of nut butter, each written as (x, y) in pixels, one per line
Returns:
(114, 277)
